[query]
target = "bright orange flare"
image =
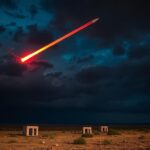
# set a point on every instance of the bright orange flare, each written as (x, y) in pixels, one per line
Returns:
(58, 40)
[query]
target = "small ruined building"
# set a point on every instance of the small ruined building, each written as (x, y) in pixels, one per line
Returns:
(104, 129)
(87, 130)
(31, 130)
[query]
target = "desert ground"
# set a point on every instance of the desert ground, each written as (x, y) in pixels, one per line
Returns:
(125, 139)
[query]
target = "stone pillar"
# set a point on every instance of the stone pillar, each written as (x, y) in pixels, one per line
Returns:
(27, 131)
(35, 131)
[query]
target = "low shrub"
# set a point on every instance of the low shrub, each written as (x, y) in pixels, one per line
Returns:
(79, 141)
(113, 132)
(52, 136)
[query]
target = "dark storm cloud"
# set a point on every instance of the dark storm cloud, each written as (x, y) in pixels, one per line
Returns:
(119, 18)
(134, 69)
(94, 74)
(11, 24)
(18, 34)
(9, 4)
(11, 67)
(41, 63)
(109, 93)
(49, 91)
(139, 52)
(33, 10)
(127, 83)
(37, 36)
(85, 59)
(2, 29)
(34, 92)
(27, 92)
(66, 11)
(1, 45)
(118, 50)
(15, 14)
(63, 7)
(54, 74)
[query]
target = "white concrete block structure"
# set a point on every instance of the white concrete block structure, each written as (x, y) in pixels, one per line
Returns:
(31, 130)
(104, 129)
(87, 130)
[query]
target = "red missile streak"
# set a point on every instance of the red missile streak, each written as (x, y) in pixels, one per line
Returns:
(23, 59)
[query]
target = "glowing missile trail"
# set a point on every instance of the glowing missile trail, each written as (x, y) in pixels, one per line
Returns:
(59, 40)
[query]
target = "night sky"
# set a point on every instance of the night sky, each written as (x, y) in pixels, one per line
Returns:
(100, 75)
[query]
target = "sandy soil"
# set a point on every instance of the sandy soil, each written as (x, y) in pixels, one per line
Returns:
(63, 140)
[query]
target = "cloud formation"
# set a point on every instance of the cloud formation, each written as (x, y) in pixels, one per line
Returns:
(103, 69)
